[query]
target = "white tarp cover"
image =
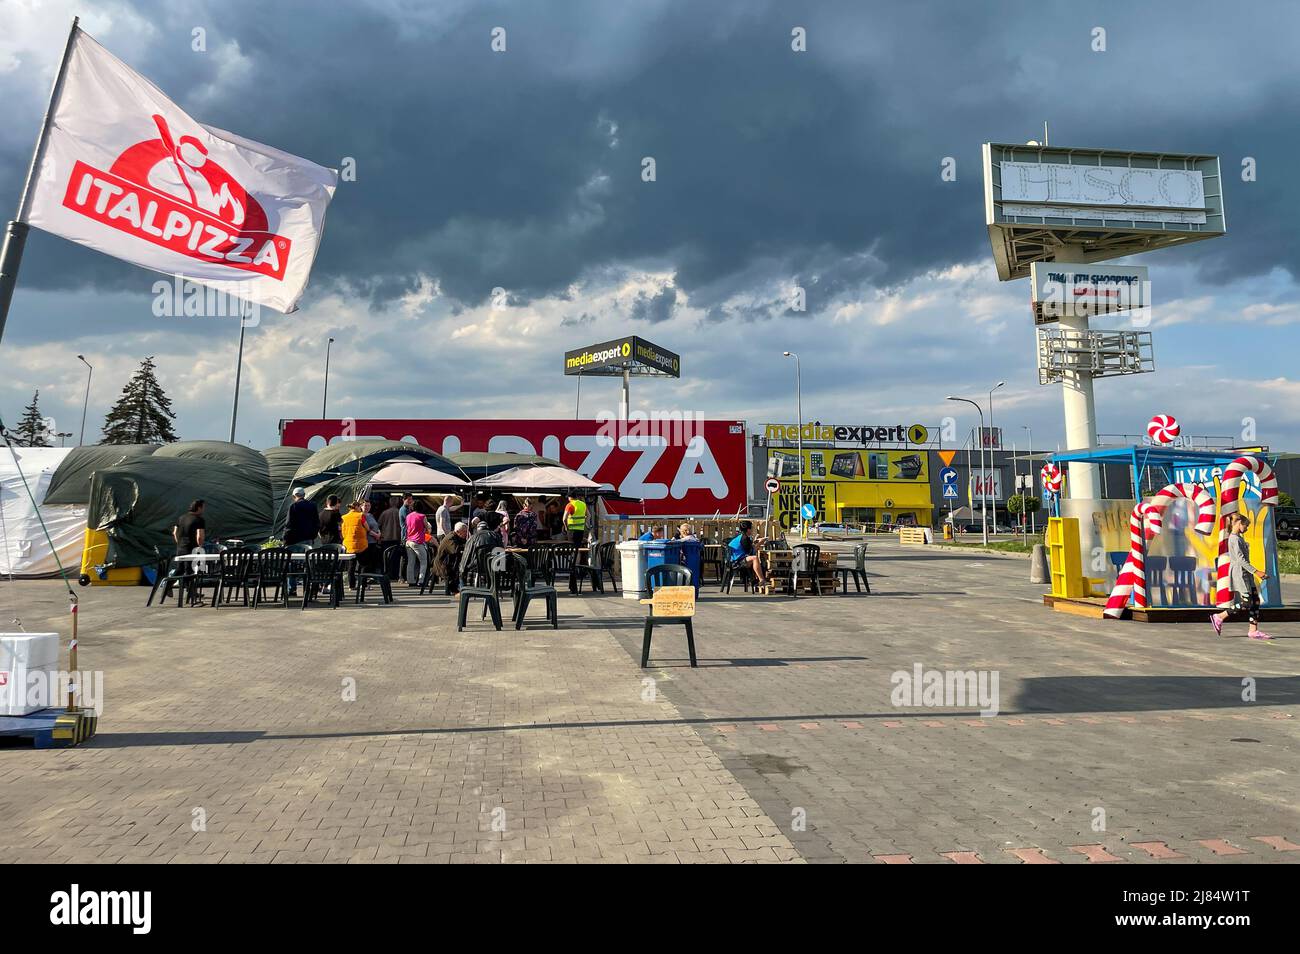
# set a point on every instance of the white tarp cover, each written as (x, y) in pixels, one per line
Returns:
(24, 550)
(403, 473)
(540, 478)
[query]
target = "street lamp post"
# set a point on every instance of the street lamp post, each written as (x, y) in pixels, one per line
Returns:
(90, 372)
(984, 513)
(326, 393)
(798, 405)
(1033, 522)
(993, 464)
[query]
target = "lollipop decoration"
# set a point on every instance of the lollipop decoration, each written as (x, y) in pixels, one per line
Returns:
(1052, 477)
(1162, 429)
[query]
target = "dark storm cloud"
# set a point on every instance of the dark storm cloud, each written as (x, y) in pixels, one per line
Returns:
(522, 170)
(654, 308)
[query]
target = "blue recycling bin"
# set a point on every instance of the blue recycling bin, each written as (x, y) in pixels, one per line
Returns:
(692, 557)
(659, 552)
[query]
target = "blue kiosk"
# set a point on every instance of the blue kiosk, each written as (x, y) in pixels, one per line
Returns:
(1180, 564)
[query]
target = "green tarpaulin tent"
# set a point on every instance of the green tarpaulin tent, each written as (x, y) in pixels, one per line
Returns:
(70, 485)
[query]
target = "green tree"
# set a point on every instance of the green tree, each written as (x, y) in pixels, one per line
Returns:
(1284, 499)
(143, 414)
(31, 430)
(1022, 503)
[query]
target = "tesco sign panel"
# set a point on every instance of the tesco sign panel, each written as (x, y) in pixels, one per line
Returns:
(677, 467)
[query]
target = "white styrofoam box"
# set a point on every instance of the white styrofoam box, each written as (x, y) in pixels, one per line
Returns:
(22, 654)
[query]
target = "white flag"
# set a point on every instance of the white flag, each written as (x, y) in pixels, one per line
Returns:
(127, 172)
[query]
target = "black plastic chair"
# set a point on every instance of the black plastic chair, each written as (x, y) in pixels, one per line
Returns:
(738, 571)
(369, 578)
(526, 591)
(232, 570)
(540, 563)
(805, 560)
(586, 566)
(712, 556)
(271, 570)
(196, 576)
(666, 574)
(486, 593)
(605, 563)
(503, 573)
(562, 558)
(168, 576)
(857, 572)
(322, 569)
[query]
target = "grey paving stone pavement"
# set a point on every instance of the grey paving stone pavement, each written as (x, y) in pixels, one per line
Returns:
(379, 734)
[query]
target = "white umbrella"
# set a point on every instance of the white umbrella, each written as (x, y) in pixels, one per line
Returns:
(539, 479)
(411, 474)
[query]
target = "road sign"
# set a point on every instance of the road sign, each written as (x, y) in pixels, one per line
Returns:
(772, 485)
(948, 475)
(808, 511)
(950, 490)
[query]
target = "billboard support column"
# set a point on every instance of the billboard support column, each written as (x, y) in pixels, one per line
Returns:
(1080, 410)
(625, 403)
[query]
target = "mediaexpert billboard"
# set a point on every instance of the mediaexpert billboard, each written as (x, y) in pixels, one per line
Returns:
(682, 467)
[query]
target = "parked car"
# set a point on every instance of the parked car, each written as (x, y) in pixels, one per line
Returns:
(1286, 521)
(835, 530)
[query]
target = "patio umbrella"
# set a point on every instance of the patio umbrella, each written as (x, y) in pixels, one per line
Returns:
(403, 473)
(539, 479)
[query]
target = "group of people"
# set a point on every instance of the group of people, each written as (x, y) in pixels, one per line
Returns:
(452, 543)
(447, 535)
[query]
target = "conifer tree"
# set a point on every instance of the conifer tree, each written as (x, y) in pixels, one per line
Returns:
(143, 414)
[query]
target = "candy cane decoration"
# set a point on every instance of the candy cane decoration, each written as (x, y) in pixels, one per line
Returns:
(1132, 579)
(1230, 503)
(1052, 477)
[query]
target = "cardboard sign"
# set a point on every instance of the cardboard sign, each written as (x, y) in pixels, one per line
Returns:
(673, 601)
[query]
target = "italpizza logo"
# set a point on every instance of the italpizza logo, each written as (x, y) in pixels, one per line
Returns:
(172, 193)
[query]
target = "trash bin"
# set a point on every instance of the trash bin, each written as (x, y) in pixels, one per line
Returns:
(693, 559)
(659, 552)
(632, 564)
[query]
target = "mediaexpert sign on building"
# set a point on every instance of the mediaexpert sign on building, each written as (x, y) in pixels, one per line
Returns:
(847, 433)
(686, 467)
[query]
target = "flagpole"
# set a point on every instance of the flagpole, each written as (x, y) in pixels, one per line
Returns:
(11, 255)
(239, 366)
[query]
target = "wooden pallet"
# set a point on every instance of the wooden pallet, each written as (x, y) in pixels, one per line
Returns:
(778, 563)
(51, 728)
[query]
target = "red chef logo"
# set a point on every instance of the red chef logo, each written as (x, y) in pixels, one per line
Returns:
(172, 193)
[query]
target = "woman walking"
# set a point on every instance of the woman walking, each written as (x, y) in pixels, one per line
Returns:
(1241, 580)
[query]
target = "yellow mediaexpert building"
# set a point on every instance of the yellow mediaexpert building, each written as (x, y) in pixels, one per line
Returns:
(855, 486)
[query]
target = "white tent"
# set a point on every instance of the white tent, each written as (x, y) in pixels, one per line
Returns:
(24, 551)
(538, 479)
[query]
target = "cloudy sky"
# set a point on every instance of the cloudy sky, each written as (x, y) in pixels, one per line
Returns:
(521, 170)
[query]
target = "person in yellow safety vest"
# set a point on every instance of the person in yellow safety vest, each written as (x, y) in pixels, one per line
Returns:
(575, 520)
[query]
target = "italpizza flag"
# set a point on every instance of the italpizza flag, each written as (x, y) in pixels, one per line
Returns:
(124, 170)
